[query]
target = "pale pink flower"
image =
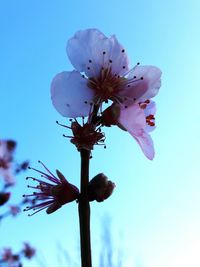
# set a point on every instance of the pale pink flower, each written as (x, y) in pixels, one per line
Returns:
(7, 148)
(138, 120)
(107, 76)
(53, 193)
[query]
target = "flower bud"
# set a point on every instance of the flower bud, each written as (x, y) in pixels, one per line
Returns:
(100, 188)
(110, 115)
(4, 197)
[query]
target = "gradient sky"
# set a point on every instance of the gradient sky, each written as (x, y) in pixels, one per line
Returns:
(155, 209)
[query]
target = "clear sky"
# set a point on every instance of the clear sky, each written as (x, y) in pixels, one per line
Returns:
(155, 209)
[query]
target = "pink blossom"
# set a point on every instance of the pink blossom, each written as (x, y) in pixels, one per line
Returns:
(54, 193)
(138, 120)
(7, 148)
(14, 210)
(28, 251)
(107, 76)
(9, 257)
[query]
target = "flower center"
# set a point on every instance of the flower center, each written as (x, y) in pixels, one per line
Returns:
(106, 85)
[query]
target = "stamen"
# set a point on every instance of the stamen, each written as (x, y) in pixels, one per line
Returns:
(48, 170)
(132, 80)
(131, 70)
(47, 176)
(67, 136)
(65, 126)
(103, 60)
(38, 210)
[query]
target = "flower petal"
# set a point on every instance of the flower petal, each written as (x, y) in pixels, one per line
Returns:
(143, 83)
(69, 91)
(151, 80)
(116, 53)
(146, 143)
(134, 121)
(90, 50)
(132, 118)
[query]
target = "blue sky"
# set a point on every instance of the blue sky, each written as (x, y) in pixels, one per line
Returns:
(155, 208)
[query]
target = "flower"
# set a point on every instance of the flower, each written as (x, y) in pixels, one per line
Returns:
(14, 210)
(107, 76)
(100, 188)
(7, 148)
(137, 119)
(9, 257)
(54, 193)
(28, 251)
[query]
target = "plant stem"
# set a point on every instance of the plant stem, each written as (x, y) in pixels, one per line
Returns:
(84, 211)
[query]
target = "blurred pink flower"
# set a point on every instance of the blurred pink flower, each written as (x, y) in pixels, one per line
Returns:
(53, 196)
(7, 148)
(7, 254)
(8, 257)
(28, 251)
(107, 76)
(138, 120)
(14, 210)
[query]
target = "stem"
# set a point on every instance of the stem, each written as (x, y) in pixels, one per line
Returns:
(84, 211)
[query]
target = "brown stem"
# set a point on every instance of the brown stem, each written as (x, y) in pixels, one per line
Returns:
(84, 211)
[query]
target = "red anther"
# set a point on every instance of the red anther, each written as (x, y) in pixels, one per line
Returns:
(150, 120)
(150, 117)
(143, 105)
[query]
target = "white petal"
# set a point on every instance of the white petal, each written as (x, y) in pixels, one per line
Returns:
(147, 87)
(69, 91)
(90, 50)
